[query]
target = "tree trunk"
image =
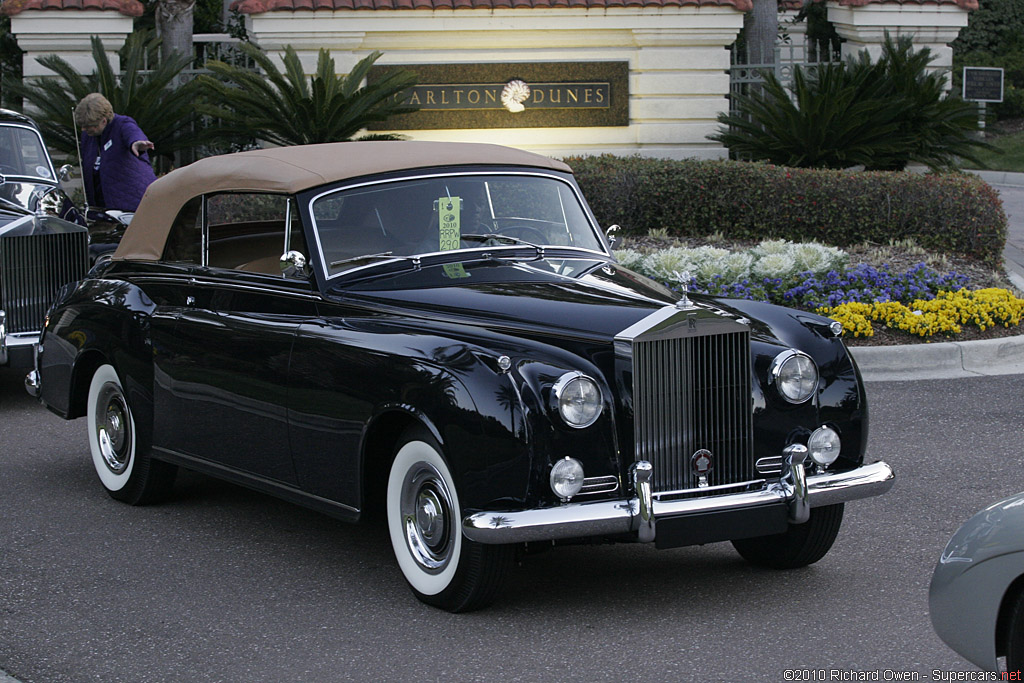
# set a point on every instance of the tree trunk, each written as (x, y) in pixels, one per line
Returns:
(761, 28)
(174, 25)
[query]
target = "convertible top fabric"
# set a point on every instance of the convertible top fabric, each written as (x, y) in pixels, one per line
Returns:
(292, 169)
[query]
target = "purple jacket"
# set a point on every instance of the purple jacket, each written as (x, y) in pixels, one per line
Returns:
(123, 176)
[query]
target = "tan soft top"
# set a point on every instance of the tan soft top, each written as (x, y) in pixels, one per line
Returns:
(293, 169)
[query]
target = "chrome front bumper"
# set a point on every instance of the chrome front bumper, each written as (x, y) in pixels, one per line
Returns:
(639, 514)
(15, 347)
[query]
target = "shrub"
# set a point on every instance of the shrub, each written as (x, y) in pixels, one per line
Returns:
(950, 213)
(881, 115)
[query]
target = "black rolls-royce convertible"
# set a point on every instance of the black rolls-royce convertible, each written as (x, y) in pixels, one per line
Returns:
(439, 332)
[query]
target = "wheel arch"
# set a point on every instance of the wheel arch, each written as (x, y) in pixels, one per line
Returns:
(380, 443)
(1010, 598)
(81, 375)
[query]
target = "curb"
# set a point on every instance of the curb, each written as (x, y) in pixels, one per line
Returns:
(999, 177)
(945, 360)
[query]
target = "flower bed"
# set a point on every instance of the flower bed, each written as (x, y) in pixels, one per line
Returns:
(918, 300)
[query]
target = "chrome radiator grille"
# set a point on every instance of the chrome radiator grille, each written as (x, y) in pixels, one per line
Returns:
(692, 393)
(32, 269)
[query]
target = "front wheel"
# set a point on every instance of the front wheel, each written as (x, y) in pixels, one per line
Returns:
(1015, 636)
(121, 458)
(424, 522)
(799, 546)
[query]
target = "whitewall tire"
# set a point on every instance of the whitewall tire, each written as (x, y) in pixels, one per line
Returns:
(424, 517)
(120, 454)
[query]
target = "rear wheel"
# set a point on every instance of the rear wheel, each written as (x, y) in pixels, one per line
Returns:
(443, 568)
(120, 454)
(799, 546)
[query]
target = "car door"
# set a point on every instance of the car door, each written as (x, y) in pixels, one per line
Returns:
(221, 378)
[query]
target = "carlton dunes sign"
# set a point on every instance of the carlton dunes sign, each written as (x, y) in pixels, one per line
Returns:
(514, 95)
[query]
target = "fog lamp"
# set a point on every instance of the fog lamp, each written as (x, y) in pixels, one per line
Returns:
(567, 478)
(578, 399)
(824, 446)
(795, 375)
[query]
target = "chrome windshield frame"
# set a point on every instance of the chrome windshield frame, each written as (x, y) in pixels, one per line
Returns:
(474, 252)
(52, 179)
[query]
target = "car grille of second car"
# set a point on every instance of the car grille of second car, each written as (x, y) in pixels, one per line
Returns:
(32, 270)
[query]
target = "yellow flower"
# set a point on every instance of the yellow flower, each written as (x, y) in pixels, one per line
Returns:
(945, 314)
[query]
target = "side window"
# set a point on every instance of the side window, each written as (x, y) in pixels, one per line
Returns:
(185, 239)
(246, 231)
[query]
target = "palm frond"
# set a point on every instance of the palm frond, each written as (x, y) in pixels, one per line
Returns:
(289, 108)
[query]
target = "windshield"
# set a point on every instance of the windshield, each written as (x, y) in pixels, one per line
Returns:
(22, 153)
(356, 226)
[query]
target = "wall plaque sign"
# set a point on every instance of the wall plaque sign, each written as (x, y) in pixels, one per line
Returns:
(983, 84)
(518, 95)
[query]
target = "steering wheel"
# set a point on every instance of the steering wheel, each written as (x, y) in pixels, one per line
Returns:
(8, 169)
(527, 233)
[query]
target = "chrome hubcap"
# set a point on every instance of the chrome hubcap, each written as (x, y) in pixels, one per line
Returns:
(112, 429)
(426, 507)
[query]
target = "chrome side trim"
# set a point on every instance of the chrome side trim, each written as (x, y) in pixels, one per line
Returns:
(598, 518)
(3, 338)
(224, 284)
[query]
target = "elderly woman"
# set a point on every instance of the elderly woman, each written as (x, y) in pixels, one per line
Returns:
(115, 155)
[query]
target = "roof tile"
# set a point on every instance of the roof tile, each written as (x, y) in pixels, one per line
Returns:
(131, 8)
(962, 4)
(260, 6)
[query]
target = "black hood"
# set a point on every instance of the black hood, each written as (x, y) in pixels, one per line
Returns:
(582, 298)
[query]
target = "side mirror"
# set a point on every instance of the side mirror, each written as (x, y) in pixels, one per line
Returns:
(293, 264)
(64, 173)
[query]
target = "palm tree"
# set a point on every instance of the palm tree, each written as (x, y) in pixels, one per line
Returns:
(159, 103)
(290, 109)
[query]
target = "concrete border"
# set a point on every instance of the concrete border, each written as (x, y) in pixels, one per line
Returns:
(999, 177)
(944, 360)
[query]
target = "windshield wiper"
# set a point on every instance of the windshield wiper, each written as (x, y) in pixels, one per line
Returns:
(509, 238)
(364, 257)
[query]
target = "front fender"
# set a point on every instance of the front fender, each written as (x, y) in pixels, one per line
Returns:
(93, 322)
(980, 562)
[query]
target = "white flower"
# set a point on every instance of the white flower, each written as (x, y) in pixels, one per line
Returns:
(774, 265)
(630, 258)
(514, 94)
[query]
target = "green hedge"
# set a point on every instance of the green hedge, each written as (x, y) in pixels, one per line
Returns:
(950, 213)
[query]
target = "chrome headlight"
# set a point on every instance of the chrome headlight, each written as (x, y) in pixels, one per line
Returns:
(795, 375)
(567, 478)
(824, 446)
(578, 399)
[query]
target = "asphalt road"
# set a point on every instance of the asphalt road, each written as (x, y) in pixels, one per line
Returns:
(223, 584)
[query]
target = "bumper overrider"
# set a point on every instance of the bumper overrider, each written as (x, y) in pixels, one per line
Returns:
(688, 521)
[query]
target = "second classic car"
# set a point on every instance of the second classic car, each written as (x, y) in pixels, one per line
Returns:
(976, 597)
(441, 333)
(42, 242)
